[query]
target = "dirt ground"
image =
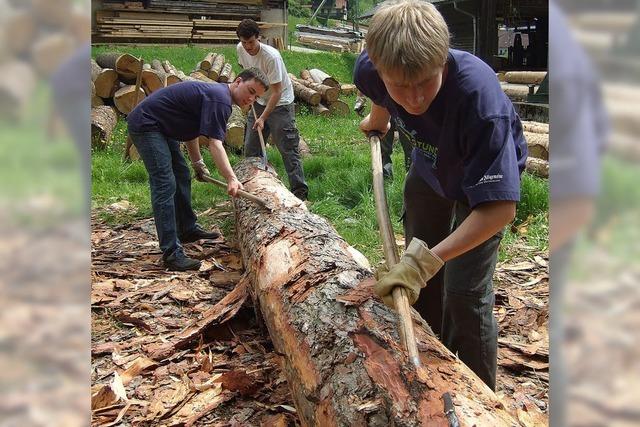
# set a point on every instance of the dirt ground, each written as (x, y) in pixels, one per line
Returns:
(230, 375)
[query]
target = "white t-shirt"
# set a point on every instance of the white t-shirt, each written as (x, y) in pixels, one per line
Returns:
(269, 61)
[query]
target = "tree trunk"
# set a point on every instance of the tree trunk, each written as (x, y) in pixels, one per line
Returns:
(235, 128)
(538, 167)
(525, 77)
(126, 65)
(304, 93)
(329, 94)
(339, 108)
(320, 76)
(216, 67)
(340, 344)
(535, 127)
(537, 144)
(125, 98)
(225, 73)
(105, 80)
(205, 64)
(103, 121)
(320, 110)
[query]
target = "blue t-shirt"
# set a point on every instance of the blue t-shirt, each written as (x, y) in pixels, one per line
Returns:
(184, 111)
(469, 145)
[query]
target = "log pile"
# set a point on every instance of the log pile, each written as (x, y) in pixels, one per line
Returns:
(330, 39)
(321, 92)
(339, 342)
(537, 136)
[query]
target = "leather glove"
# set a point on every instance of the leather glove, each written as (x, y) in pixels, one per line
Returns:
(358, 107)
(416, 267)
(200, 170)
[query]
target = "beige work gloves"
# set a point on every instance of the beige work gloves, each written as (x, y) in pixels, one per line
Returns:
(200, 170)
(416, 267)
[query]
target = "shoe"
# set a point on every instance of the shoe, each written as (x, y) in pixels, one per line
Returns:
(199, 234)
(181, 263)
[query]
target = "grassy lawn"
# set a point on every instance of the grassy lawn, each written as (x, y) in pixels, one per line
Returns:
(338, 172)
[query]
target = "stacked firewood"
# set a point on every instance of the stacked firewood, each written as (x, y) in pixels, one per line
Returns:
(537, 136)
(320, 92)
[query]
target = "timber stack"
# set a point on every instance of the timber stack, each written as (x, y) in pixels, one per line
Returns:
(321, 92)
(329, 39)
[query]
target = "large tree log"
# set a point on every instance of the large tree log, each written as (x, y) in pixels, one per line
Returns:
(320, 110)
(538, 167)
(535, 127)
(104, 79)
(103, 121)
(339, 108)
(125, 98)
(348, 89)
(126, 65)
(151, 81)
(328, 94)
(340, 344)
(216, 67)
(225, 73)
(320, 76)
(537, 144)
(205, 64)
(235, 128)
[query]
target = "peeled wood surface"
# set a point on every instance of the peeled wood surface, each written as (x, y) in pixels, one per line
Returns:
(339, 342)
(320, 76)
(348, 89)
(125, 65)
(225, 73)
(538, 167)
(235, 127)
(152, 81)
(103, 121)
(216, 67)
(125, 98)
(516, 92)
(526, 77)
(104, 79)
(535, 127)
(205, 64)
(537, 144)
(304, 93)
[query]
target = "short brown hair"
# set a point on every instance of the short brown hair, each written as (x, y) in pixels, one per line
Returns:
(255, 73)
(247, 29)
(407, 36)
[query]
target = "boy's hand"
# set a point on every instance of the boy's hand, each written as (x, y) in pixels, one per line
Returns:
(233, 185)
(416, 267)
(200, 170)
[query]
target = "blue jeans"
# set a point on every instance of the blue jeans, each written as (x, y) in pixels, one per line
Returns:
(170, 183)
(458, 301)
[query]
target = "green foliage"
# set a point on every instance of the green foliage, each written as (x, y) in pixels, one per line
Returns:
(297, 9)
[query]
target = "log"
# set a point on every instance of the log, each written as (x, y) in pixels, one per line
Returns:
(152, 81)
(126, 65)
(103, 121)
(225, 73)
(320, 76)
(125, 98)
(537, 145)
(16, 89)
(538, 167)
(500, 77)
(96, 101)
(232, 76)
(304, 93)
(320, 110)
(348, 89)
(200, 75)
(235, 128)
(216, 67)
(535, 127)
(339, 342)
(328, 94)
(306, 75)
(339, 108)
(205, 64)
(525, 77)
(104, 79)
(516, 92)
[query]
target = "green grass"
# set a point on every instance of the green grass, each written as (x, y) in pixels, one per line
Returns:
(338, 172)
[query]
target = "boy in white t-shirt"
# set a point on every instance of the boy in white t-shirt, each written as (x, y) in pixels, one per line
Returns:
(275, 110)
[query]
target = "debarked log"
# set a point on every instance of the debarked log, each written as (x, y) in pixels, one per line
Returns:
(343, 362)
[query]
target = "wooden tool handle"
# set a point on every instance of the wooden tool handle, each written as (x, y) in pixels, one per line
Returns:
(400, 299)
(241, 193)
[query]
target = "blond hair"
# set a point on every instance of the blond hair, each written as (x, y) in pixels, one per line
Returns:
(407, 36)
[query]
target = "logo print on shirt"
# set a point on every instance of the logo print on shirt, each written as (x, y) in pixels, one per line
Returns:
(488, 179)
(428, 150)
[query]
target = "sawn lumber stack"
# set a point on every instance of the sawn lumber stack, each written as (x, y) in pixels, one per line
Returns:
(339, 342)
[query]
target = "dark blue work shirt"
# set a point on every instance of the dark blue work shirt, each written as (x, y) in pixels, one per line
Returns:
(469, 145)
(184, 111)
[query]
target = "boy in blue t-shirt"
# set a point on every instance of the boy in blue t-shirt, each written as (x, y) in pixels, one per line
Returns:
(464, 181)
(184, 112)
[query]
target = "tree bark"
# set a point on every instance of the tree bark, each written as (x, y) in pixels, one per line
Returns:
(225, 73)
(320, 76)
(340, 344)
(538, 167)
(537, 144)
(200, 75)
(216, 67)
(535, 127)
(125, 98)
(126, 65)
(525, 77)
(304, 93)
(329, 94)
(235, 128)
(103, 121)
(207, 61)
(104, 79)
